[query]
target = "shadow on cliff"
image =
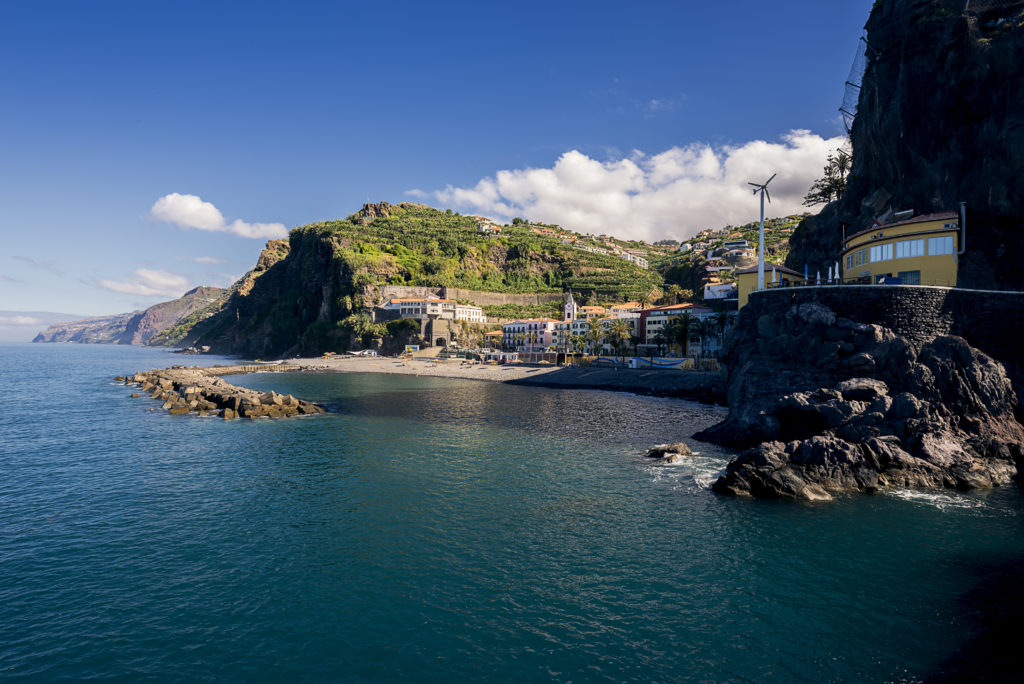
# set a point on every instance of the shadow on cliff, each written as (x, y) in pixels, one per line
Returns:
(993, 614)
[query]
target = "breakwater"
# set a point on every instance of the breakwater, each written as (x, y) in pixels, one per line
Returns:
(195, 389)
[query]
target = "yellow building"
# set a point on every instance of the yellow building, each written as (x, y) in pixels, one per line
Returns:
(918, 251)
(746, 280)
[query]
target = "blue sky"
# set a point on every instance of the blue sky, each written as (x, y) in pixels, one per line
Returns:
(591, 114)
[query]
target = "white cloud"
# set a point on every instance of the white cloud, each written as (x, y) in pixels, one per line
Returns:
(191, 211)
(417, 193)
(20, 320)
(209, 260)
(673, 194)
(150, 283)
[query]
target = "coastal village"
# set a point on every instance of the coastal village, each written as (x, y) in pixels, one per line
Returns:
(688, 332)
(448, 438)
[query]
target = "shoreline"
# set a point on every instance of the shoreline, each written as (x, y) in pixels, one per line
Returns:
(705, 387)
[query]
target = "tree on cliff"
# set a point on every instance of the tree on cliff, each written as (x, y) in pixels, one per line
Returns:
(832, 184)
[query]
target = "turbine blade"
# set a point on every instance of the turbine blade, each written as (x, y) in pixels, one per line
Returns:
(770, 179)
(768, 195)
(754, 184)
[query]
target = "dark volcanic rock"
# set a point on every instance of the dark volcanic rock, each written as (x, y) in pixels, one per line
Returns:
(940, 119)
(823, 419)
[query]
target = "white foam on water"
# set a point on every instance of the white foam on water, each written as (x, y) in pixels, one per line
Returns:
(940, 500)
(692, 470)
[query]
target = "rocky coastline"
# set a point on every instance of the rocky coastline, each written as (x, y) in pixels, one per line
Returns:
(825, 404)
(202, 391)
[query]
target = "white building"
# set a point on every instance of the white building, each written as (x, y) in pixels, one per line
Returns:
(720, 291)
(434, 307)
(529, 335)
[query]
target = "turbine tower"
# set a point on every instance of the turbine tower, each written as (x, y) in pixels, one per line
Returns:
(763, 189)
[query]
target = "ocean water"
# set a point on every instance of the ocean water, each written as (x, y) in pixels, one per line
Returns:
(435, 530)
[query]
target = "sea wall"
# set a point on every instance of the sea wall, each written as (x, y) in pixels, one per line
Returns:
(990, 321)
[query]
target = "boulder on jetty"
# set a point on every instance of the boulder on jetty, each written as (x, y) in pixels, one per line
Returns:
(199, 390)
(825, 405)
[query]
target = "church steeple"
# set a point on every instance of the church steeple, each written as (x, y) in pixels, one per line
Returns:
(571, 310)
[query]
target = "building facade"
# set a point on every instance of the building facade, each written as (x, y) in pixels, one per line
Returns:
(746, 280)
(918, 251)
(433, 307)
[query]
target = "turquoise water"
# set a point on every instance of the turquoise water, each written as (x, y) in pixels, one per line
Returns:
(434, 529)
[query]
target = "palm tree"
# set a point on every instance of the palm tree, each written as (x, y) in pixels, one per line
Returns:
(576, 342)
(721, 322)
(594, 333)
(618, 332)
(704, 330)
(679, 332)
(660, 340)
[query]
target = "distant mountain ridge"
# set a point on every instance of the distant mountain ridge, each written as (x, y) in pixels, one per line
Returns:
(136, 327)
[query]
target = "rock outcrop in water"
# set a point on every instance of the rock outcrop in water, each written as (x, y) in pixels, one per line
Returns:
(201, 390)
(831, 405)
(940, 119)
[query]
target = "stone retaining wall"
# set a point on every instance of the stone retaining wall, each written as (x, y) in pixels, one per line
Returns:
(474, 296)
(991, 321)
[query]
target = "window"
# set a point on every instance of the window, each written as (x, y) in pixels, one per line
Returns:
(858, 258)
(940, 245)
(909, 248)
(910, 277)
(881, 252)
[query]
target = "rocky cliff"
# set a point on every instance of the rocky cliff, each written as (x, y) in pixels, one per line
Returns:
(829, 404)
(940, 119)
(95, 330)
(137, 327)
(316, 293)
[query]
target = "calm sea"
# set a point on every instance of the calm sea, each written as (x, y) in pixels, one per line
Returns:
(437, 530)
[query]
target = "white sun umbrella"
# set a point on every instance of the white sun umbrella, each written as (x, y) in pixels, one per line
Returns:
(775, 278)
(829, 274)
(837, 273)
(819, 277)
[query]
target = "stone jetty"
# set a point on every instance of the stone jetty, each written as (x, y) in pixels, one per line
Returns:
(195, 389)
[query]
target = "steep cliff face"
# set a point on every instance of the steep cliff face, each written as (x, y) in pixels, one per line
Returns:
(137, 327)
(940, 119)
(96, 330)
(157, 318)
(291, 307)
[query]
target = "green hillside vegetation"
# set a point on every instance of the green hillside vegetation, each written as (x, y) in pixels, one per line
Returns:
(313, 293)
(419, 245)
(687, 271)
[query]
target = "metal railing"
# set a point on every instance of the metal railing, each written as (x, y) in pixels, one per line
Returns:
(836, 282)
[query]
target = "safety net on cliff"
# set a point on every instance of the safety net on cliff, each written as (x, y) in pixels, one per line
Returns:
(985, 6)
(849, 108)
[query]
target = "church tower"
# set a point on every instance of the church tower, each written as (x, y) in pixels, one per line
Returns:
(571, 310)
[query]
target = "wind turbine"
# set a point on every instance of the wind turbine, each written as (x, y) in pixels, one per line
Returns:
(763, 189)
